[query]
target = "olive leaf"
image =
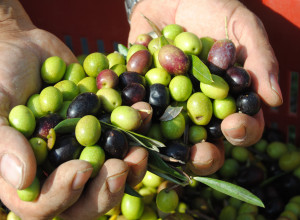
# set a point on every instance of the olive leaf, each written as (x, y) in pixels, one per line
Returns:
(129, 190)
(159, 167)
(154, 27)
(163, 41)
(66, 126)
(170, 113)
(199, 70)
(231, 190)
(122, 49)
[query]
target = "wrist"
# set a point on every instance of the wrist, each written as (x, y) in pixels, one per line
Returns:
(13, 16)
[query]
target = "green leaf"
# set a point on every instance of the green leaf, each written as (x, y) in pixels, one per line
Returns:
(170, 113)
(123, 50)
(161, 168)
(129, 190)
(66, 126)
(154, 27)
(231, 190)
(199, 70)
(163, 41)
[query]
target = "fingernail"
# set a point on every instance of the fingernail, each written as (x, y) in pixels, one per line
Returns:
(11, 169)
(275, 86)
(81, 178)
(116, 182)
(238, 133)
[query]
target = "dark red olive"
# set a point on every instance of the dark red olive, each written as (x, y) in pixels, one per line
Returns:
(45, 123)
(129, 77)
(213, 129)
(159, 99)
(174, 60)
(221, 56)
(132, 93)
(248, 103)
(140, 62)
(65, 148)
(177, 150)
(114, 143)
(86, 103)
(238, 79)
(250, 176)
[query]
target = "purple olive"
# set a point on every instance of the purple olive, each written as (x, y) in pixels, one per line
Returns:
(174, 60)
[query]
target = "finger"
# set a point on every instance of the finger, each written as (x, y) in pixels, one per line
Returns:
(256, 53)
(17, 160)
(55, 47)
(153, 10)
(206, 158)
(136, 159)
(243, 130)
(60, 190)
(103, 193)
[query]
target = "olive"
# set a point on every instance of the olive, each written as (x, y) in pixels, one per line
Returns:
(221, 56)
(213, 129)
(140, 62)
(248, 103)
(129, 77)
(159, 99)
(273, 207)
(84, 104)
(114, 143)
(250, 176)
(88, 130)
(132, 93)
(66, 148)
(45, 123)
(238, 79)
(177, 150)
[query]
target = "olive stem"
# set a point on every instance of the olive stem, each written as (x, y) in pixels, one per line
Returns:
(200, 215)
(170, 159)
(184, 173)
(168, 189)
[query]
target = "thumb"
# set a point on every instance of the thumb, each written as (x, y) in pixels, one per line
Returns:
(17, 160)
(259, 59)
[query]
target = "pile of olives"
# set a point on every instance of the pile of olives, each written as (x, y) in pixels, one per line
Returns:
(270, 169)
(175, 88)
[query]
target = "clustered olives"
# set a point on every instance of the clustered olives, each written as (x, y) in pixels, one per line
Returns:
(270, 169)
(150, 90)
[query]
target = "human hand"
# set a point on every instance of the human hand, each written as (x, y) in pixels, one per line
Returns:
(207, 18)
(23, 49)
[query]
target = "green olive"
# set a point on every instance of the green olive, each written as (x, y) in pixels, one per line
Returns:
(74, 72)
(22, 119)
(218, 89)
(51, 99)
(95, 155)
(68, 89)
(34, 104)
(12, 216)
(132, 207)
(94, 63)
(40, 149)
(53, 69)
(167, 200)
(31, 192)
(87, 84)
(88, 130)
